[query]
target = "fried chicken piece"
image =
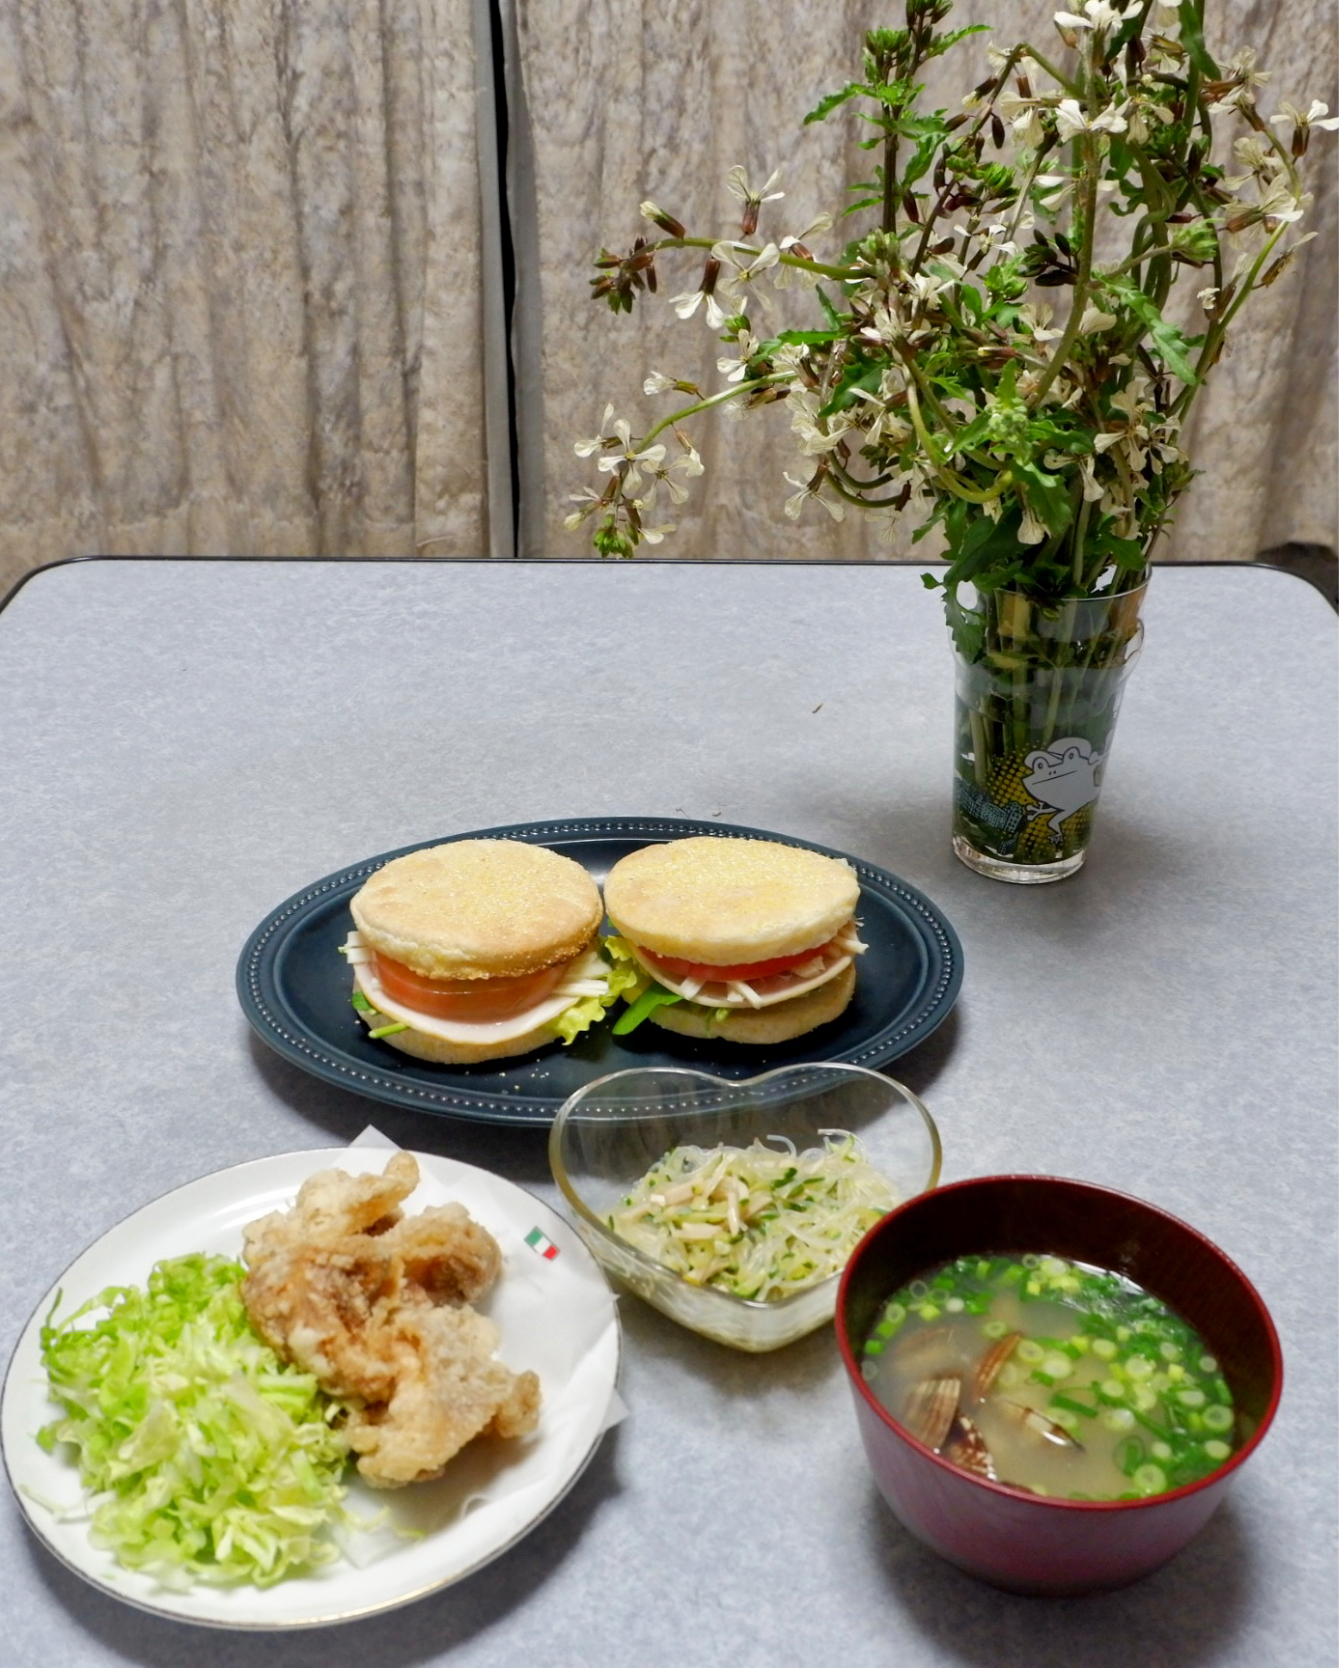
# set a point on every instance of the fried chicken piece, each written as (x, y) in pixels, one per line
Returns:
(376, 1305)
(449, 1390)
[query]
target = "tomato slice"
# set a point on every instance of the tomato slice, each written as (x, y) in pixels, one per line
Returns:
(747, 970)
(480, 1001)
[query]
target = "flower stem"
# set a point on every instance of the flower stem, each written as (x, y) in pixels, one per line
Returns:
(748, 386)
(1082, 279)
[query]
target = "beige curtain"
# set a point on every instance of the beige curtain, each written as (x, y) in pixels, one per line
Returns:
(250, 295)
(241, 290)
(629, 99)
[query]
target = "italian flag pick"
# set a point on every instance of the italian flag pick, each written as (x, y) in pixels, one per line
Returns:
(541, 1243)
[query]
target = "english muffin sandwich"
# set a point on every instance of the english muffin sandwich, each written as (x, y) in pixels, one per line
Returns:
(748, 940)
(477, 950)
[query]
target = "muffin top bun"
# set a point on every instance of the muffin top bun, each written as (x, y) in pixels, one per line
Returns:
(727, 901)
(478, 909)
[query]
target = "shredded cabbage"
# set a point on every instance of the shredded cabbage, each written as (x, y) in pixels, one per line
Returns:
(756, 1221)
(208, 1458)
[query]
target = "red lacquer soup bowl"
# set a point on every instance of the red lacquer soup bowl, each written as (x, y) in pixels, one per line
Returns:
(1019, 1541)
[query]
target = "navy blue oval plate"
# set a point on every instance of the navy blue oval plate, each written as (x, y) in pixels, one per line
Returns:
(294, 989)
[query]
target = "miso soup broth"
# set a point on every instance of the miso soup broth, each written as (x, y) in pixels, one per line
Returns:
(1051, 1376)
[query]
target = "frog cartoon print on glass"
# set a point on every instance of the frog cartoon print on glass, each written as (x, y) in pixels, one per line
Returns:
(1063, 778)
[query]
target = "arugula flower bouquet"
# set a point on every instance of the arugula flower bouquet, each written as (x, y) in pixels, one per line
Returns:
(998, 355)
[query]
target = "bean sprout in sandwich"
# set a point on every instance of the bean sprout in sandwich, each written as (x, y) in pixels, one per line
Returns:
(752, 941)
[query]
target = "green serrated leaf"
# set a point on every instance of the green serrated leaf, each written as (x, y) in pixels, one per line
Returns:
(985, 541)
(825, 106)
(1046, 495)
(944, 42)
(856, 375)
(1170, 342)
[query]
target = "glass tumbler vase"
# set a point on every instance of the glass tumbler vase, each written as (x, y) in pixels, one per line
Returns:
(1038, 690)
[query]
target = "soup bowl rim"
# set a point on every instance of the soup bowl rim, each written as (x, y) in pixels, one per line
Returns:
(1213, 1479)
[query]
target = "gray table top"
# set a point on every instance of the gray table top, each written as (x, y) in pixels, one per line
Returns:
(185, 743)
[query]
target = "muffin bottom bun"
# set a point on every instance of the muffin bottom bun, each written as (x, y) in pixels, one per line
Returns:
(777, 1024)
(727, 901)
(478, 909)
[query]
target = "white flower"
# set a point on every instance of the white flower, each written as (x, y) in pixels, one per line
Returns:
(1305, 118)
(814, 441)
(1031, 531)
(584, 448)
(1037, 317)
(786, 275)
(588, 499)
(1242, 66)
(752, 199)
(654, 535)
(926, 286)
(1095, 319)
(873, 420)
(746, 264)
(687, 304)
(1070, 120)
(735, 370)
(822, 224)
(690, 463)
(1132, 403)
(1023, 117)
(1257, 156)
(886, 326)
(1208, 297)
(652, 457)
(737, 182)
(809, 489)
(1101, 14)
(1279, 205)
(619, 456)
(658, 383)
(1245, 76)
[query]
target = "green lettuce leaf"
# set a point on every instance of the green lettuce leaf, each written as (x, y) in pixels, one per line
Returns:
(590, 1010)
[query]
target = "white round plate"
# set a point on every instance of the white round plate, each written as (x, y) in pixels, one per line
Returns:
(557, 1317)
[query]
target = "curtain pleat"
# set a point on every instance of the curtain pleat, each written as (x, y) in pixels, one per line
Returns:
(240, 295)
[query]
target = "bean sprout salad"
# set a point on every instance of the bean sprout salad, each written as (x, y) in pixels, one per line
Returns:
(760, 1222)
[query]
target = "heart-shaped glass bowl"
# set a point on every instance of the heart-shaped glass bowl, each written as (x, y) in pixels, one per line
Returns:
(608, 1135)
